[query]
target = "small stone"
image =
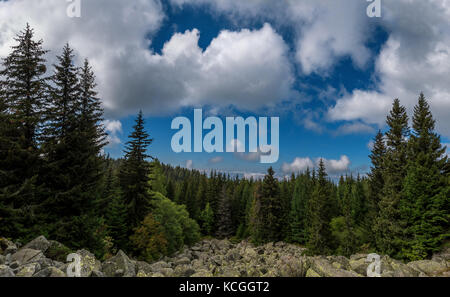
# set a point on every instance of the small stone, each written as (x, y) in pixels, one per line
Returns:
(96, 273)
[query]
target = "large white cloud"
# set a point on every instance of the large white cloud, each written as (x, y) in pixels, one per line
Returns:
(415, 58)
(325, 29)
(249, 69)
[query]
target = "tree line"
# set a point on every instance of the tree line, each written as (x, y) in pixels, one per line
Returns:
(55, 180)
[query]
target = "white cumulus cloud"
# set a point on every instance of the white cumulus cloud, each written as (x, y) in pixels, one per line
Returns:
(332, 166)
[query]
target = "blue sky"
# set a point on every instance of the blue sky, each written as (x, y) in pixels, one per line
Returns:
(326, 69)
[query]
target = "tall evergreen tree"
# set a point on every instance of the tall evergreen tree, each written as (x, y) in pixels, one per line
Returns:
(320, 239)
(389, 225)
(271, 207)
(72, 144)
(427, 190)
(376, 184)
(225, 224)
(297, 215)
(23, 94)
(134, 174)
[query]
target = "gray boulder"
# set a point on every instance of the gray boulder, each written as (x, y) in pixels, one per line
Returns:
(429, 267)
(182, 261)
(88, 263)
(28, 270)
(324, 268)
(25, 256)
(50, 272)
(40, 243)
(119, 262)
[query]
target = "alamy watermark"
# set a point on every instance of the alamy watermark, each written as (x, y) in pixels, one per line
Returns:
(214, 140)
(74, 9)
(74, 268)
(374, 9)
(374, 268)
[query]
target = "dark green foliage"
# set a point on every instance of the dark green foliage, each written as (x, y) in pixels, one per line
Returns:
(116, 213)
(179, 229)
(298, 212)
(22, 97)
(134, 175)
(207, 220)
(426, 203)
(389, 225)
(73, 170)
(319, 216)
(225, 224)
(376, 183)
(267, 210)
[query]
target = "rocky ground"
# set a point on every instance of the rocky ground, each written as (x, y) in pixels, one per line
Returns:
(44, 258)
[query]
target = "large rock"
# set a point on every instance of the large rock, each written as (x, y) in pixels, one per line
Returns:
(119, 262)
(359, 265)
(40, 243)
(428, 267)
(182, 261)
(50, 272)
(5, 271)
(25, 256)
(57, 251)
(402, 270)
(88, 263)
(28, 270)
(312, 273)
(183, 271)
(158, 266)
(143, 269)
(324, 268)
(289, 266)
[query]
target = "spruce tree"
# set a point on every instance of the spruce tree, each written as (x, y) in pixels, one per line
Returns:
(320, 239)
(225, 227)
(389, 227)
(23, 94)
(376, 184)
(297, 216)
(134, 174)
(207, 219)
(427, 191)
(271, 208)
(73, 169)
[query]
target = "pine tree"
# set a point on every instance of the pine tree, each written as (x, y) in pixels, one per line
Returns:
(389, 227)
(320, 238)
(207, 218)
(297, 215)
(271, 208)
(116, 216)
(134, 174)
(427, 191)
(23, 93)
(225, 224)
(73, 169)
(376, 184)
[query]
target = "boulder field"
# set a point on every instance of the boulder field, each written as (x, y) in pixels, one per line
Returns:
(208, 258)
